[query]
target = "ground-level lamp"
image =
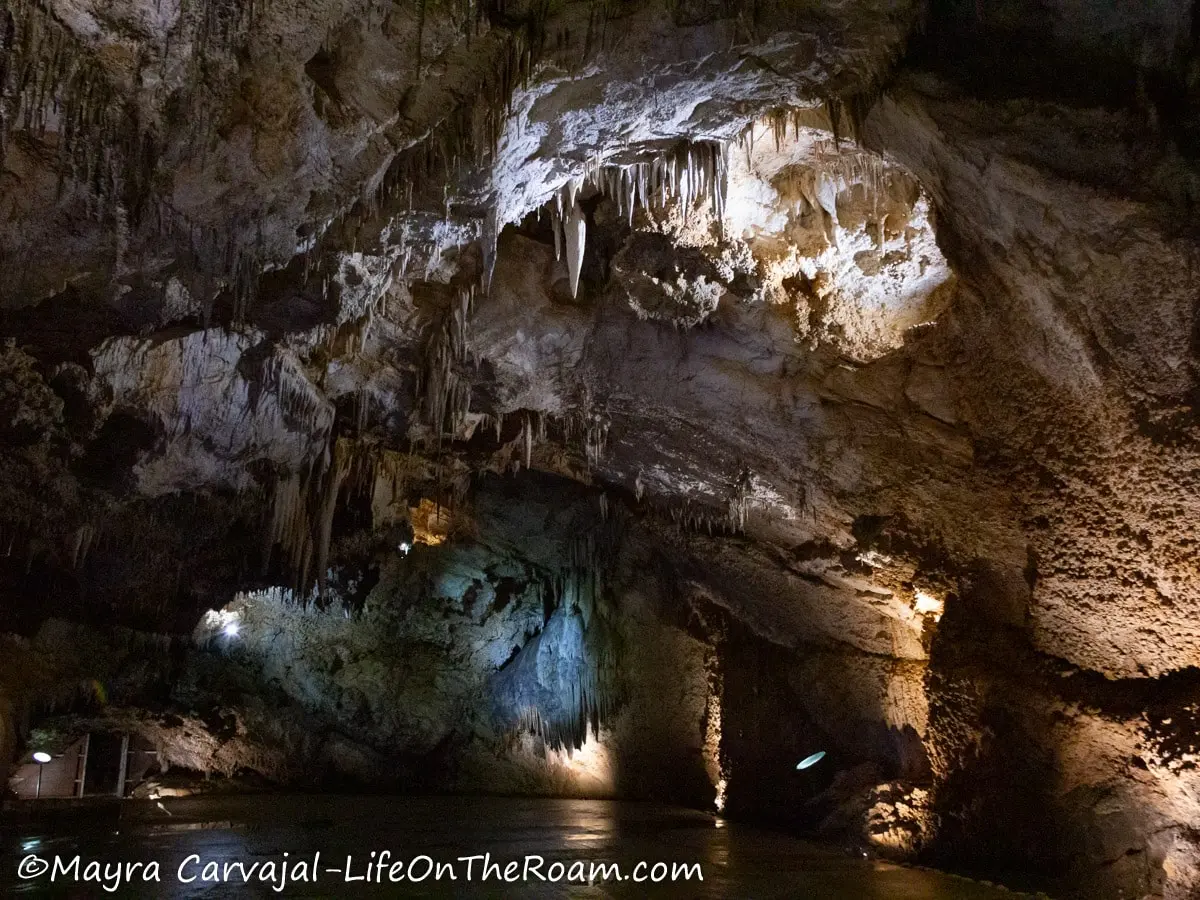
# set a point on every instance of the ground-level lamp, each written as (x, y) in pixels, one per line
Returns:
(810, 761)
(41, 758)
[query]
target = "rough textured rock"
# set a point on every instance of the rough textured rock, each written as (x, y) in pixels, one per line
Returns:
(852, 345)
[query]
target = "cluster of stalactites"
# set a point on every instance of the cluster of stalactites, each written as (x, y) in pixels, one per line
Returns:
(694, 173)
(303, 505)
(470, 132)
(301, 516)
(703, 519)
(381, 478)
(50, 80)
(779, 121)
(304, 408)
(580, 590)
(817, 185)
(443, 392)
(588, 700)
(587, 429)
(50, 83)
(570, 230)
(108, 152)
(589, 705)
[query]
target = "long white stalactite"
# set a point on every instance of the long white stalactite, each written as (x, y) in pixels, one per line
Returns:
(576, 234)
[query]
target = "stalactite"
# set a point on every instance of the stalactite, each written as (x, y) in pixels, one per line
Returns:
(582, 689)
(84, 536)
(691, 173)
(527, 441)
(739, 502)
(303, 505)
(491, 233)
(443, 393)
(595, 439)
(575, 228)
(52, 81)
(556, 223)
(331, 486)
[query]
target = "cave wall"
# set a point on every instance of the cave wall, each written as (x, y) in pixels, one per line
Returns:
(871, 326)
(427, 678)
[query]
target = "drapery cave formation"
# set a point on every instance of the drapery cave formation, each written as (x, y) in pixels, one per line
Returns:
(619, 398)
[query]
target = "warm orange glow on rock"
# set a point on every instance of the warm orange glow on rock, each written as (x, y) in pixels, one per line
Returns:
(430, 523)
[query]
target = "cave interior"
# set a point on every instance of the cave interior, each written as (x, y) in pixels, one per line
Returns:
(614, 399)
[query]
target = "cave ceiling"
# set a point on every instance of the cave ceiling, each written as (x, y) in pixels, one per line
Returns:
(838, 328)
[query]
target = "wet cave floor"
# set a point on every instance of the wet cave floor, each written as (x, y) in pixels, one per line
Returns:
(193, 838)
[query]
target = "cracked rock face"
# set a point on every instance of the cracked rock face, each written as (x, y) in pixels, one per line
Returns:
(487, 378)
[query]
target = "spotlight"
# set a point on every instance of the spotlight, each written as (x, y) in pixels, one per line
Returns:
(926, 604)
(810, 761)
(405, 547)
(231, 630)
(41, 757)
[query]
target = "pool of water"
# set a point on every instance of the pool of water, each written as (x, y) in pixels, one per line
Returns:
(276, 839)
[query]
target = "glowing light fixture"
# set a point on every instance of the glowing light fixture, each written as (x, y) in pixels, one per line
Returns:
(405, 547)
(223, 624)
(41, 757)
(810, 761)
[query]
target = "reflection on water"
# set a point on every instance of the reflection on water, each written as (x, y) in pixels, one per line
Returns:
(737, 861)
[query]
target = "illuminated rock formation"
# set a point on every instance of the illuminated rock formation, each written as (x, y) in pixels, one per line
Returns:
(619, 398)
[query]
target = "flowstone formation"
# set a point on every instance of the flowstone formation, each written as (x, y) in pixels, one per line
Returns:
(606, 398)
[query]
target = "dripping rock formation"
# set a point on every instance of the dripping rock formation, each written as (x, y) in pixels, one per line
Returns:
(612, 398)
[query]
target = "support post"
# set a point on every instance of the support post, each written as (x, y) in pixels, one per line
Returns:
(124, 769)
(83, 761)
